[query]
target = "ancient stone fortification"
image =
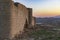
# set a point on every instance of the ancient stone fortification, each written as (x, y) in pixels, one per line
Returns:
(33, 21)
(13, 18)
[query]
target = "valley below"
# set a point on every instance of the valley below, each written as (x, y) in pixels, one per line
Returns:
(45, 29)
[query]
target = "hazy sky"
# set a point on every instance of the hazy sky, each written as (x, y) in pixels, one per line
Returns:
(43, 8)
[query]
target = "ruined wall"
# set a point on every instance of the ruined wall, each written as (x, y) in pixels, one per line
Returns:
(5, 16)
(12, 18)
(30, 16)
(33, 21)
(18, 18)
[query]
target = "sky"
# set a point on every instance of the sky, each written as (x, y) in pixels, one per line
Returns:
(42, 8)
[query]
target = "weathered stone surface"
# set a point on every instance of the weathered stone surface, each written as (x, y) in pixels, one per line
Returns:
(13, 18)
(18, 18)
(5, 20)
(33, 21)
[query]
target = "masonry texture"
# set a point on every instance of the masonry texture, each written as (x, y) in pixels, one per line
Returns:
(13, 18)
(33, 21)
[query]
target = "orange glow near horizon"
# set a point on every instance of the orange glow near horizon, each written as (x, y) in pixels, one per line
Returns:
(46, 13)
(47, 9)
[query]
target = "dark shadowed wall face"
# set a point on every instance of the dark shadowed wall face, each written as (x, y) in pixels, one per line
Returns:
(5, 17)
(5, 0)
(30, 15)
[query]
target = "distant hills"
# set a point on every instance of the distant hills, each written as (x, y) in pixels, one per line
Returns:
(57, 16)
(45, 20)
(51, 17)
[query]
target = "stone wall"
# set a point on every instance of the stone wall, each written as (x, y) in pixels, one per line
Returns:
(33, 21)
(5, 19)
(18, 18)
(30, 16)
(13, 18)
